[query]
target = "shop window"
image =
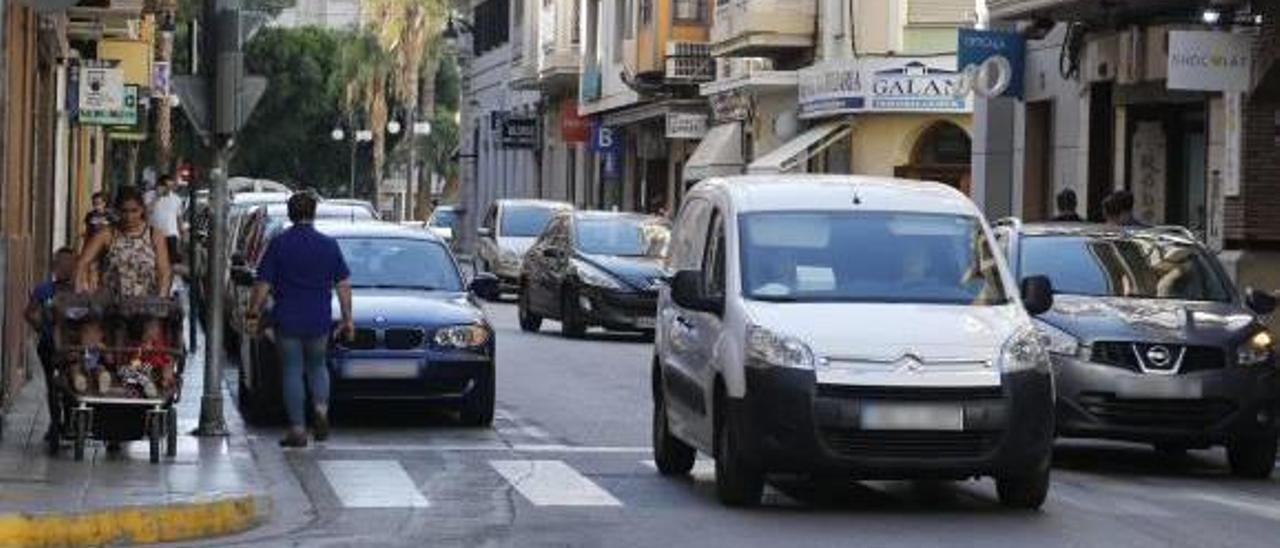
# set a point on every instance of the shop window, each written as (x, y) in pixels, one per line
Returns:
(689, 10)
(646, 12)
(941, 154)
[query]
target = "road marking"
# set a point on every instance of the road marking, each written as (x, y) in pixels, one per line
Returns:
(1258, 508)
(372, 484)
(481, 447)
(1114, 503)
(552, 483)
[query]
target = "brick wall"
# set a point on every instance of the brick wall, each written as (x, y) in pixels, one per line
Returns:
(1254, 217)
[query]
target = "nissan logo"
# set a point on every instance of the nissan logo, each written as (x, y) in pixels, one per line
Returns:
(1159, 356)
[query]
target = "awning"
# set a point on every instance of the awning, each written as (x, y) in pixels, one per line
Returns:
(798, 150)
(719, 154)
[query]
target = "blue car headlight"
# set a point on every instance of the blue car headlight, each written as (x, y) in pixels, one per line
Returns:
(461, 337)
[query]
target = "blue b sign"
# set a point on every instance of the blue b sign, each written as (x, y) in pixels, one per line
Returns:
(992, 62)
(604, 138)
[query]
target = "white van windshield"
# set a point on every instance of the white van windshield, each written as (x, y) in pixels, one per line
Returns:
(868, 257)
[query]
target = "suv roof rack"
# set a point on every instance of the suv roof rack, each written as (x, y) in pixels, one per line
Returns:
(1175, 230)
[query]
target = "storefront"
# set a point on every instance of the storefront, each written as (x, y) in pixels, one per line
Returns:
(657, 141)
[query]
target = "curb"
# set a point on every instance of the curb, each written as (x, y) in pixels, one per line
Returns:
(136, 524)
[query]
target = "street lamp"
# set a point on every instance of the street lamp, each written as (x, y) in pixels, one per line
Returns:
(393, 127)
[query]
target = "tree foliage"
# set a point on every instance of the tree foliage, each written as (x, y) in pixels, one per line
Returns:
(288, 136)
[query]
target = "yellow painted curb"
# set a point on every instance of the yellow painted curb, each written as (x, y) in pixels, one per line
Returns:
(134, 524)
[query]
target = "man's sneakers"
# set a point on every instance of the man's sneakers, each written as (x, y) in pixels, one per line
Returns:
(321, 426)
(295, 439)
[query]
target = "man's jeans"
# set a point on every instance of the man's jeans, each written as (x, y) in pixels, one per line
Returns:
(299, 357)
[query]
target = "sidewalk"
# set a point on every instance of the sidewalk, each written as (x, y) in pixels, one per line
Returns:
(211, 488)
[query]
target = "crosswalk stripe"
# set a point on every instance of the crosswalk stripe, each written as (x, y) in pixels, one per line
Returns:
(372, 484)
(552, 483)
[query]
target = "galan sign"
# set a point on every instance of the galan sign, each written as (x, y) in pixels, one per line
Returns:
(1209, 60)
(883, 84)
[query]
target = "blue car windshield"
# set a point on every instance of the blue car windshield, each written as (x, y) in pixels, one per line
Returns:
(622, 237)
(882, 257)
(1135, 266)
(394, 263)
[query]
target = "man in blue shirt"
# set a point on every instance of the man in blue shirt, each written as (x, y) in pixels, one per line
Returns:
(39, 315)
(300, 270)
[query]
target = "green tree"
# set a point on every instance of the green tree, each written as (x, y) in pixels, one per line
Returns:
(288, 136)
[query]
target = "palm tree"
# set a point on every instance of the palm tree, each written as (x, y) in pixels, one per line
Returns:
(364, 72)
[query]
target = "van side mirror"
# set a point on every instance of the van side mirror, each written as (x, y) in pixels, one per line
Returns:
(1037, 294)
(687, 292)
(1259, 301)
(484, 285)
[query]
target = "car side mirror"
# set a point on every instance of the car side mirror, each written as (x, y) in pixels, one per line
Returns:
(484, 284)
(1037, 294)
(687, 292)
(1259, 301)
(242, 275)
(484, 232)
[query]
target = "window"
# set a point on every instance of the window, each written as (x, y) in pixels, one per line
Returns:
(492, 25)
(714, 262)
(621, 237)
(689, 10)
(400, 263)
(690, 235)
(893, 257)
(490, 216)
(628, 16)
(1133, 266)
(646, 12)
(525, 221)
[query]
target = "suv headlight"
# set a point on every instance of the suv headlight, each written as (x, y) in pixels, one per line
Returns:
(1025, 351)
(1256, 350)
(1057, 341)
(461, 337)
(778, 350)
(592, 275)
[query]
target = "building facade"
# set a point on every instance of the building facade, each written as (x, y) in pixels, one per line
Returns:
(333, 14)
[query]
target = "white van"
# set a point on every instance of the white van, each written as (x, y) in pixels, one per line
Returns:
(854, 326)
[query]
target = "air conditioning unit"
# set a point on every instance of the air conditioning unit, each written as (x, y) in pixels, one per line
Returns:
(728, 68)
(1101, 58)
(1131, 59)
(689, 61)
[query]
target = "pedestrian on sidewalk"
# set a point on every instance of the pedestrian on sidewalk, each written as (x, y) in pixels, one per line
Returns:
(300, 270)
(39, 315)
(97, 218)
(1067, 207)
(1117, 208)
(135, 255)
(166, 216)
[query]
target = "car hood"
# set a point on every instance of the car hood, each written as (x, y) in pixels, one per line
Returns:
(518, 245)
(888, 331)
(1150, 320)
(641, 273)
(410, 307)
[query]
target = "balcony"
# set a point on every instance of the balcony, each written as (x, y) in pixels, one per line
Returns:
(734, 73)
(762, 27)
(689, 63)
(559, 37)
(1085, 10)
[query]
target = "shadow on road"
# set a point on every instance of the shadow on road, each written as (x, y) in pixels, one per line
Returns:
(1135, 459)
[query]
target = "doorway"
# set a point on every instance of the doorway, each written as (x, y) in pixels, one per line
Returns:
(941, 153)
(1037, 166)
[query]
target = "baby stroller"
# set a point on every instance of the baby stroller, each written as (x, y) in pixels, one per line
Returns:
(118, 370)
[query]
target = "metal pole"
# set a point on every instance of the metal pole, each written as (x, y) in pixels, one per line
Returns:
(212, 421)
(352, 191)
(412, 202)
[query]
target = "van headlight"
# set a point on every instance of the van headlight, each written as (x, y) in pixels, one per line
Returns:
(1057, 341)
(509, 258)
(461, 337)
(775, 349)
(1256, 350)
(1025, 351)
(592, 275)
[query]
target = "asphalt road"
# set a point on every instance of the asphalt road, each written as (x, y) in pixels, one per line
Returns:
(566, 465)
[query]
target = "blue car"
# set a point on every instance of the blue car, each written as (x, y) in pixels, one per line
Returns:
(420, 335)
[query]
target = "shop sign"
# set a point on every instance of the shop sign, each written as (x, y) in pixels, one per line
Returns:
(101, 87)
(686, 125)
(126, 114)
(573, 128)
(1203, 60)
(992, 62)
(515, 131)
(604, 138)
(883, 84)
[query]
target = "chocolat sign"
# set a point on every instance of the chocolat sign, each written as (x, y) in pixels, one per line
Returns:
(883, 84)
(1209, 60)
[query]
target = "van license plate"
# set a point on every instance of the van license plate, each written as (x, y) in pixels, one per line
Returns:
(909, 416)
(381, 369)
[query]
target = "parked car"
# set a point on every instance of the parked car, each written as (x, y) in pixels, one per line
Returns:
(595, 268)
(420, 337)
(368, 213)
(1151, 342)
(848, 325)
(443, 222)
(507, 231)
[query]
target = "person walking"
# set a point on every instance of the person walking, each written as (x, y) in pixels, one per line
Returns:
(1118, 210)
(166, 215)
(300, 270)
(97, 218)
(1067, 207)
(133, 255)
(39, 315)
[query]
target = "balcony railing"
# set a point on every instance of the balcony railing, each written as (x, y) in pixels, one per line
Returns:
(758, 27)
(689, 62)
